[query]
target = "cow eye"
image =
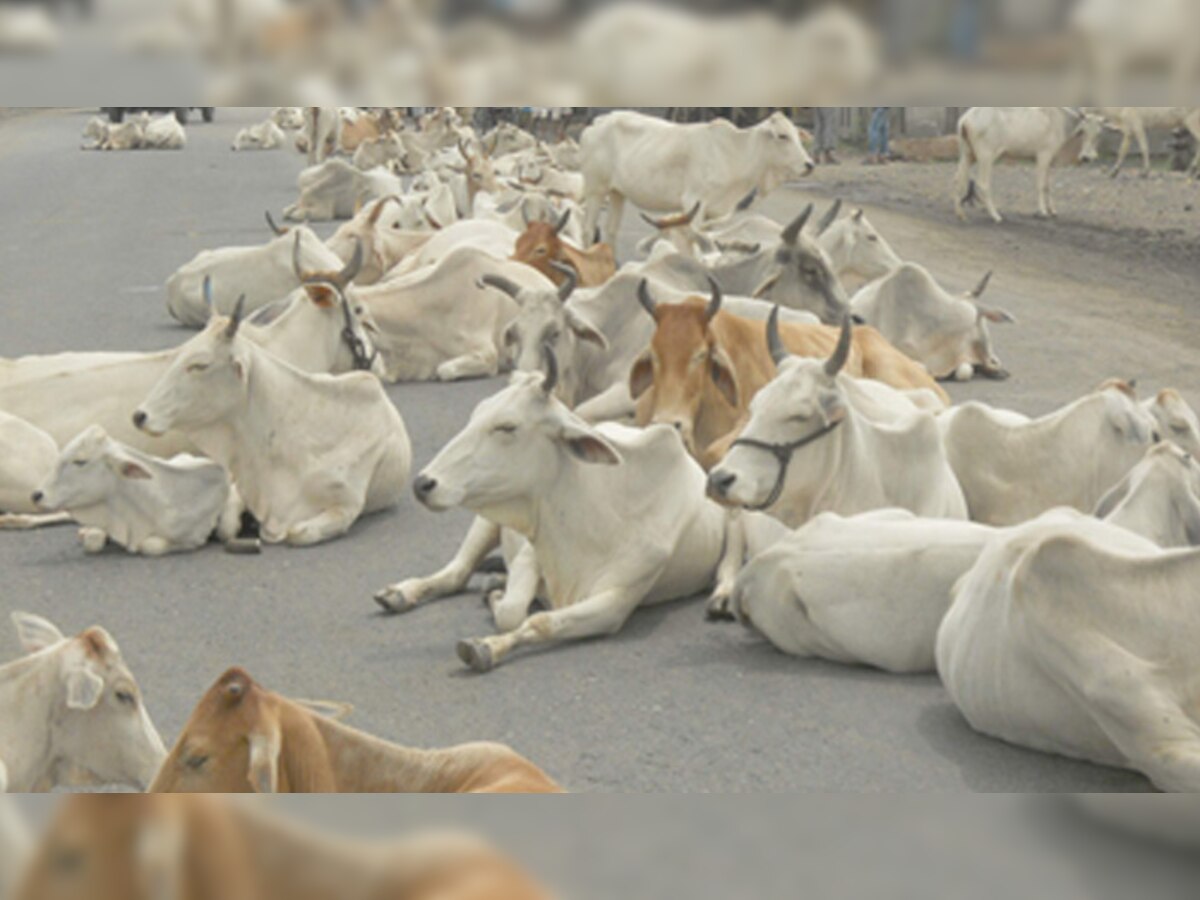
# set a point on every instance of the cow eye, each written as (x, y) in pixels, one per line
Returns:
(126, 697)
(507, 428)
(196, 762)
(197, 367)
(873, 238)
(79, 462)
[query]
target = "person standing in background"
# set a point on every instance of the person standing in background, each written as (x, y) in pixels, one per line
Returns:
(825, 134)
(878, 150)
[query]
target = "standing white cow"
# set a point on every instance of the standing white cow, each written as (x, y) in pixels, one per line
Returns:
(1078, 639)
(146, 505)
(1132, 122)
(1043, 133)
(614, 518)
(27, 458)
(663, 167)
(322, 132)
(73, 714)
(1012, 468)
(818, 440)
(947, 334)
(309, 453)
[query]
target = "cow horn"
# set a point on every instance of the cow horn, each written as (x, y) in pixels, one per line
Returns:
(433, 223)
(235, 320)
(714, 304)
(792, 232)
(279, 232)
(981, 287)
(562, 222)
(830, 217)
(774, 343)
(568, 272)
(378, 210)
(746, 202)
(676, 221)
(351, 269)
(550, 380)
(841, 353)
(500, 283)
(648, 303)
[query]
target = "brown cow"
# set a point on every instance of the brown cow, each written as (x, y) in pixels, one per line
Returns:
(542, 243)
(139, 847)
(704, 366)
(243, 738)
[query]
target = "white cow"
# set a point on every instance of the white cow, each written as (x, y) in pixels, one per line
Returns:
(336, 189)
(146, 505)
(322, 132)
(1078, 638)
(162, 132)
(663, 167)
(266, 135)
(855, 246)
(101, 135)
(15, 843)
(493, 237)
(631, 526)
(441, 321)
(818, 440)
(948, 334)
(1044, 133)
(73, 714)
(27, 458)
(1013, 468)
(289, 118)
(309, 453)
(1159, 498)
(1176, 420)
(1132, 122)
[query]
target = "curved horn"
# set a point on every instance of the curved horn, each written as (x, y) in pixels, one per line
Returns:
(562, 222)
(235, 320)
(791, 234)
(279, 232)
(714, 304)
(568, 272)
(774, 343)
(675, 221)
(841, 353)
(500, 283)
(981, 287)
(351, 269)
(746, 202)
(433, 223)
(649, 304)
(373, 218)
(830, 217)
(550, 380)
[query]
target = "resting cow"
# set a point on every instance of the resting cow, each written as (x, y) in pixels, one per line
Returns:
(27, 458)
(309, 453)
(146, 505)
(73, 714)
(266, 135)
(541, 245)
(242, 737)
(335, 189)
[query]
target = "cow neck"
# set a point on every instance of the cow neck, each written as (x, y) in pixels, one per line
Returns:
(837, 454)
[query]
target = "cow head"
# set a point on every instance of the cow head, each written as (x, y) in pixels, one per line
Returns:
(481, 174)
(789, 431)
(1088, 128)
(1164, 489)
(99, 730)
(1176, 420)
(784, 157)
(546, 321)
(685, 370)
(981, 356)
(90, 470)
(541, 244)
(515, 444)
(798, 274)
(1121, 412)
(234, 743)
(854, 246)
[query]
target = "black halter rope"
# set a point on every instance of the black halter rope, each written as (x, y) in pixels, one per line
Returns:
(357, 347)
(783, 454)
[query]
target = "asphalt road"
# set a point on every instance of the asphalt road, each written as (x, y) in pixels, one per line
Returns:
(671, 704)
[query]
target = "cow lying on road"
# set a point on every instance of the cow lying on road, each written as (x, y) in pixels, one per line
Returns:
(27, 458)
(242, 737)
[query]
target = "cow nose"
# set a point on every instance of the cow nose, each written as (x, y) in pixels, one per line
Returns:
(424, 486)
(139, 419)
(37, 498)
(809, 168)
(720, 482)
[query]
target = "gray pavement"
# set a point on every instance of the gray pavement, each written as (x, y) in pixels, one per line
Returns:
(671, 704)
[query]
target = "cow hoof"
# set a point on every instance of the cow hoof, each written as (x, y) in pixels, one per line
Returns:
(477, 655)
(720, 609)
(394, 600)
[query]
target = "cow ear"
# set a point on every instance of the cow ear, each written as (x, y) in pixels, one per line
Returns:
(585, 331)
(159, 851)
(128, 468)
(724, 377)
(84, 687)
(641, 376)
(994, 314)
(323, 295)
(36, 633)
(589, 446)
(264, 762)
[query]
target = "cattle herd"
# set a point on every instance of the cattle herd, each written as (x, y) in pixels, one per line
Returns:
(719, 416)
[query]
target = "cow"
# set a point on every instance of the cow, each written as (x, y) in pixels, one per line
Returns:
(27, 458)
(73, 713)
(263, 274)
(161, 132)
(1176, 420)
(552, 180)
(1013, 468)
(507, 138)
(15, 844)
(1132, 121)
(632, 526)
(663, 167)
(493, 237)
(244, 738)
(266, 135)
(873, 589)
(541, 244)
(818, 440)
(387, 150)
(364, 126)
(336, 189)
(101, 135)
(443, 322)
(148, 506)
(947, 334)
(704, 367)
(322, 132)
(1076, 638)
(1044, 133)
(854, 246)
(202, 847)
(386, 230)
(289, 118)
(309, 453)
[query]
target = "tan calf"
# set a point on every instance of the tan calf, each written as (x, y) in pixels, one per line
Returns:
(542, 244)
(243, 738)
(139, 847)
(704, 366)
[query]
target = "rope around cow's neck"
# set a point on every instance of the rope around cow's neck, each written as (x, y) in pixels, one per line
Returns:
(783, 454)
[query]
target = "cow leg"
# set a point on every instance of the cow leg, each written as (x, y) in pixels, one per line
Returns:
(230, 523)
(154, 546)
(598, 615)
(616, 209)
(983, 184)
(511, 607)
(1126, 141)
(482, 538)
(480, 364)
(732, 558)
(329, 523)
(962, 181)
(94, 540)
(1045, 210)
(1144, 146)
(614, 405)
(592, 205)
(23, 522)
